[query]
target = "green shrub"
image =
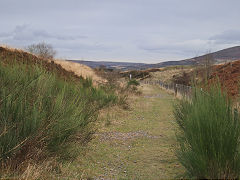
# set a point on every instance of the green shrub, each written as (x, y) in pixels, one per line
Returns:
(133, 82)
(41, 111)
(208, 136)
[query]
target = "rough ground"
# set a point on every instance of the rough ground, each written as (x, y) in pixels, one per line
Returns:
(133, 144)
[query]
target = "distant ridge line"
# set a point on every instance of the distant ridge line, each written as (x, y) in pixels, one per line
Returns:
(221, 56)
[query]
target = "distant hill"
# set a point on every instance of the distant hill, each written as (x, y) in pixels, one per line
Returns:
(225, 55)
(112, 65)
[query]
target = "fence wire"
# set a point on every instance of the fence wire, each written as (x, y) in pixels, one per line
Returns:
(177, 89)
(182, 91)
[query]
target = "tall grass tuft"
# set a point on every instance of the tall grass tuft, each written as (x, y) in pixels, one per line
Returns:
(208, 136)
(40, 111)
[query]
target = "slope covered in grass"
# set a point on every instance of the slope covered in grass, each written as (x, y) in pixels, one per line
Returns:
(81, 70)
(8, 56)
(44, 110)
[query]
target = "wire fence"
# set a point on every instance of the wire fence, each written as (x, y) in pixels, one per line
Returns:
(182, 91)
(179, 90)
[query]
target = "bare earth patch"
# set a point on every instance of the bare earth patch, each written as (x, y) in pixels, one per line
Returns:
(107, 136)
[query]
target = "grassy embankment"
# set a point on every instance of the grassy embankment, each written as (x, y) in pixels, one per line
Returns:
(45, 112)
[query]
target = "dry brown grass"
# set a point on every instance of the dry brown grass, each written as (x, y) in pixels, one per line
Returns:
(13, 49)
(48, 169)
(81, 70)
(10, 55)
(166, 75)
(65, 68)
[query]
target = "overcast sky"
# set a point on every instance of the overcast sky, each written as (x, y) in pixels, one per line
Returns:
(148, 31)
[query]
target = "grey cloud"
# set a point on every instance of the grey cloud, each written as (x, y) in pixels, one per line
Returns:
(44, 34)
(227, 37)
(5, 34)
(84, 46)
(27, 33)
(182, 48)
(20, 28)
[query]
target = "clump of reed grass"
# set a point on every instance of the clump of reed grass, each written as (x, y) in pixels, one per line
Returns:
(41, 115)
(208, 135)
